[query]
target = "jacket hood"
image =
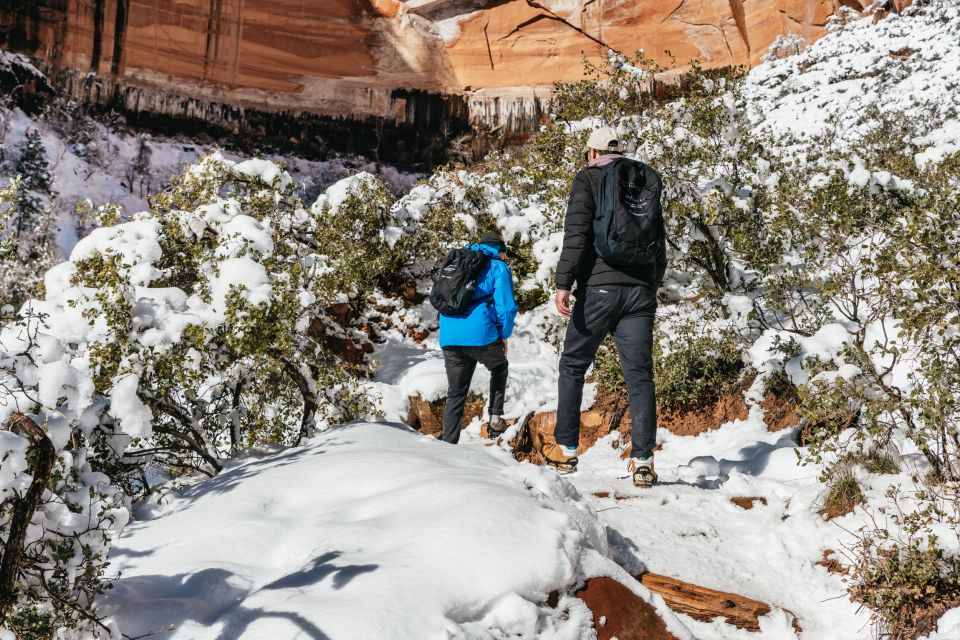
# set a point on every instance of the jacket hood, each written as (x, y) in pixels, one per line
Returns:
(490, 250)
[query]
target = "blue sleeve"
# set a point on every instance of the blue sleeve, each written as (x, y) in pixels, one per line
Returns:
(503, 301)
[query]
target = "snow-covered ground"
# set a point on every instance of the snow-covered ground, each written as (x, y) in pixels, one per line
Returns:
(371, 531)
(463, 541)
(907, 66)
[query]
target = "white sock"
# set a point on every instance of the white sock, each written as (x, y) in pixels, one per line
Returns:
(494, 417)
(568, 451)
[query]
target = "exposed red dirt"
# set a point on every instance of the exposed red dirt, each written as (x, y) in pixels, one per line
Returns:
(779, 414)
(625, 615)
(831, 564)
(728, 407)
(747, 502)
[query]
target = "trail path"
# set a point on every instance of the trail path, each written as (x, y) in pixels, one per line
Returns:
(687, 527)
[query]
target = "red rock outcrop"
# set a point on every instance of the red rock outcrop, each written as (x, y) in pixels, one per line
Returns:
(542, 41)
(436, 67)
(344, 57)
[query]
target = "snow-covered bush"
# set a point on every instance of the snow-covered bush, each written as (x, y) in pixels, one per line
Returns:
(177, 337)
(187, 328)
(8, 196)
(361, 235)
(862, 318)
(57, 514)
(905, 574)
(64, 515)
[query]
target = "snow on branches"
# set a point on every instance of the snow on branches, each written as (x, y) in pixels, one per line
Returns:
(177, 337)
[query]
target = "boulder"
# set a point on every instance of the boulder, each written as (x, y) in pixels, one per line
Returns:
(427, 416)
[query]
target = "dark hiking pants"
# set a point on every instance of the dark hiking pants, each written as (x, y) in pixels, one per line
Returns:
(627, 311)
(460, 363)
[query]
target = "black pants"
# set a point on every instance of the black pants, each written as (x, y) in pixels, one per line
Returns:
(628, 312)
(460, 363)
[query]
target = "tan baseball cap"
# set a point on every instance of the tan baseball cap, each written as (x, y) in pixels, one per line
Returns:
(604, 139)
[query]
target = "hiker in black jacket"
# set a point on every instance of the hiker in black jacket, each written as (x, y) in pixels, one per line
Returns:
(616, 298)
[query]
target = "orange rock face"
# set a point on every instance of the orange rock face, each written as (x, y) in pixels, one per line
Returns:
(346, 57)
(540, 42)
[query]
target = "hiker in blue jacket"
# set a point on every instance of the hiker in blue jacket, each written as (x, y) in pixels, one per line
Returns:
(480, 336)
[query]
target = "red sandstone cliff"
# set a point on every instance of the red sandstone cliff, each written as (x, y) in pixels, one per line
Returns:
(347, 57)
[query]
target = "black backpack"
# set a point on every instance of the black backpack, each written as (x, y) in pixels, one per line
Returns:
(626, 227)
(452, 293)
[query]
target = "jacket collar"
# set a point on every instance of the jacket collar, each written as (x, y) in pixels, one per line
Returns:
(604, 160)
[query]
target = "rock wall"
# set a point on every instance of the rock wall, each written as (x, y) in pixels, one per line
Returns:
(221, 60)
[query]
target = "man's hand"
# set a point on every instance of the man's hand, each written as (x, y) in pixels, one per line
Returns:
(562, 300)
(505, 349)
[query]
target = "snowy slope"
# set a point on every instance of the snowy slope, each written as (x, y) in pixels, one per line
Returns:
(103, 181)
(369, 532)
(907, 65)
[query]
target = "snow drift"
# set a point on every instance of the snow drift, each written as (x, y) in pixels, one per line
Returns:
(370, 531)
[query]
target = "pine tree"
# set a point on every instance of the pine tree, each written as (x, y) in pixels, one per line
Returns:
(34, 171)
(32, 228)
(139, 171)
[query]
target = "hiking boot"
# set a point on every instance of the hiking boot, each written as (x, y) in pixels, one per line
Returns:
(559, 457)
(642, 471)
(496, 426)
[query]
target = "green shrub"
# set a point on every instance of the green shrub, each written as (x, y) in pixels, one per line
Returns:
(695, 368)
(779, 385)
(906, 584)
(880, 462)
(606, 369)
(843, 493)
(352, 237)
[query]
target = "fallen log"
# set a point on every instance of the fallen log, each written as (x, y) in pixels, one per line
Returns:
(706, 604)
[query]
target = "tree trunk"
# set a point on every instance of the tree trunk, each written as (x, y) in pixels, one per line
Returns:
(24, 508)
(309, 401)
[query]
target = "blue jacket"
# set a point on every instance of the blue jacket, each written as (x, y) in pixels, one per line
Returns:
(491, 319)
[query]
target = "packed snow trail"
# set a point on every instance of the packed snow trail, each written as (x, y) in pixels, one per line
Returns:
(687, 527)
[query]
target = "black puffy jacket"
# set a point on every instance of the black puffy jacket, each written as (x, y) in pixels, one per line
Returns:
(578, 260)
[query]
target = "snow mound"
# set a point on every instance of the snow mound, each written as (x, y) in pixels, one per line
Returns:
(370, 531)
